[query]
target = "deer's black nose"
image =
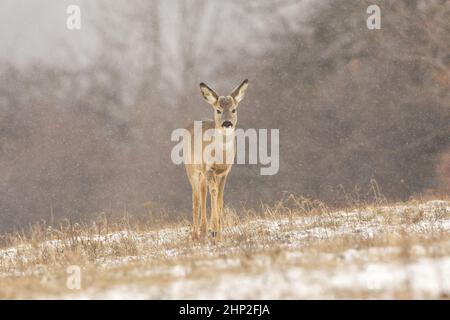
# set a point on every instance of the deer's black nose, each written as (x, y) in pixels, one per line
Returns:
(227, 124)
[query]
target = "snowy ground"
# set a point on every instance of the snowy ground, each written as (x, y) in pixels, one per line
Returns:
(400, 251)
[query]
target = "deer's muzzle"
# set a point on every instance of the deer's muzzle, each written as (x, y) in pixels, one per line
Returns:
(227, 124)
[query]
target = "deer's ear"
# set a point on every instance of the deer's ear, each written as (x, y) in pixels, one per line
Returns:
(238, 93)
(209, 94)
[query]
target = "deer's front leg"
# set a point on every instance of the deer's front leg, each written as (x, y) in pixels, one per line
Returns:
(195, 207)
(222, 181)
(204, 220)
(212, 182)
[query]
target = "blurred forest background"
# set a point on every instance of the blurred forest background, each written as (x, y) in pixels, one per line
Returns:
(86, 129)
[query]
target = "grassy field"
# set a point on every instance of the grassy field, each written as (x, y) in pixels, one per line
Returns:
(297, 249)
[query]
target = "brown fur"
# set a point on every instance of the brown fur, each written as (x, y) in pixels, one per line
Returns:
(206, 176)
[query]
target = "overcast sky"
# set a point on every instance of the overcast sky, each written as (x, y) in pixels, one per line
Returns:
(35, 30)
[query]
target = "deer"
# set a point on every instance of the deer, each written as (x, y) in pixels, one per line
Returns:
(207, 175)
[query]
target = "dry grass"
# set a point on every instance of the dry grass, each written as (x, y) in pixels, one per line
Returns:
(295, 249)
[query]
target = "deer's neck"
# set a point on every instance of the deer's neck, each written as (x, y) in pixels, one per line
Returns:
(225, 132)
(225, 139)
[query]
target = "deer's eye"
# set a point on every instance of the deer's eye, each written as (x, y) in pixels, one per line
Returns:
(219, 112)
(234, 111)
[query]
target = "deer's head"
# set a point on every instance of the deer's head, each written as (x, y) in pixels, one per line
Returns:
(225, 107)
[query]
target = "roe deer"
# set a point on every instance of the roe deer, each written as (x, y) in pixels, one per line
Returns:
(212, 175)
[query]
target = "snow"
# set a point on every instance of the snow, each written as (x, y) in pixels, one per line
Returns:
(425, 277)
(267, 259)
